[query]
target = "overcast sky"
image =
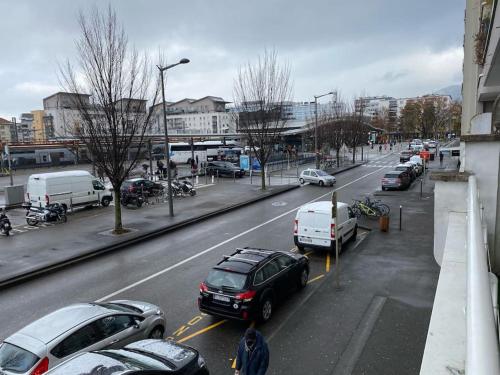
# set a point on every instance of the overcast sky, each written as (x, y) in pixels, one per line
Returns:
(375, 47)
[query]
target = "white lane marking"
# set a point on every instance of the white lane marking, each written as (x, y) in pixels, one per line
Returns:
(184, 261)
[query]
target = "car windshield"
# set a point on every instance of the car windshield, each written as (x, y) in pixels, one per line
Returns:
(232, 280)
(15, 359)
(321, 173)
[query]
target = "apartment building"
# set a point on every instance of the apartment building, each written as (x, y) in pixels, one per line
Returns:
(62, 108)
(5, 130)
(207, 115)
(467, 215)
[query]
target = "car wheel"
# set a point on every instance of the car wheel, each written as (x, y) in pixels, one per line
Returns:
(300, 248)
(139, 203)
(384, 188)
(340, 247)
(321, 183)
(192, 193)
(301, 180)
(354, 234)
(304, 277)
(156, 333)
(266, 309)
(64, 218)
(105, 202)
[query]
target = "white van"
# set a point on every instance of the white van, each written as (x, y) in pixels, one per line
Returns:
(314, 226)
(69, 188)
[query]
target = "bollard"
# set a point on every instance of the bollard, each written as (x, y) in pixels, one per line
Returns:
(197, 180)
(234, 176)
(400, 217)
(217, 176)
(421, 182)
(71, 204)
(251, 176)
(212, 179)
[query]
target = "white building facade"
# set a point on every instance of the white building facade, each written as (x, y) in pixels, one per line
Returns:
(207, 115)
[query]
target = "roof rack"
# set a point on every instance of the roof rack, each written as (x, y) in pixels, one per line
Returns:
(254, 250)
(237, 259)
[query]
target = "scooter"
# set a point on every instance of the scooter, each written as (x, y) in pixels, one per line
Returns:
(5, 226)
(135, 199)
(188, 188)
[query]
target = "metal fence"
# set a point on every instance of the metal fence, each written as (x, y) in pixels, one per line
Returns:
(482, 356)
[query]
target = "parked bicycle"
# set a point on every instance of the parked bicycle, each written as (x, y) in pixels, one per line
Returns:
(370, 208)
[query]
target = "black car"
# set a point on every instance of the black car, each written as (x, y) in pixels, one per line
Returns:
(224, 168)
(141, 186)
(407, 168)
(141, 357)
(247, 284)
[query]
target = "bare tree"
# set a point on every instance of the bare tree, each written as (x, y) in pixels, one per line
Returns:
(261, 91)
(112, 84)
(356, 131)
(332, 127)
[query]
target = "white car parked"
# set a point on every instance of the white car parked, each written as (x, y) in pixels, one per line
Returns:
(317, 176)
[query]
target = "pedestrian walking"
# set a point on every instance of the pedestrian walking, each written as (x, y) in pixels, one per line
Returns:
(380, 148)
(173, 168)
(441, 156)
(253, 354)
(385, 146)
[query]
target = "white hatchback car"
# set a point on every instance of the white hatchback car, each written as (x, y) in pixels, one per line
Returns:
(317, 176)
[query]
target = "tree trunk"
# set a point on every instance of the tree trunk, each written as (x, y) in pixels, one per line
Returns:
(118, 213)
(354, 155)
(263, 176)
(337, 152)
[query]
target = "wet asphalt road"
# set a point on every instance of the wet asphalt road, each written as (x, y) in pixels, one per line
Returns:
(166, 271)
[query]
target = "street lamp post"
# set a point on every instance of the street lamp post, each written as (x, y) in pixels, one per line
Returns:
(167, 154)
(316, 125)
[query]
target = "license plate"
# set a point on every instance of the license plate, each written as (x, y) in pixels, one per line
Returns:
(306, 239)
(218, 297)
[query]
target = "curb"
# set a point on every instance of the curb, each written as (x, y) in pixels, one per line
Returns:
(132, 241)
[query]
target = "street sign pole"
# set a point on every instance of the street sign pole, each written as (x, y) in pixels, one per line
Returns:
(334, 217)
(9, 163)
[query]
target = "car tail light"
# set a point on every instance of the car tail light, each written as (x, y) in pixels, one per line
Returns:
(42, 367)
(246, 296)
(47, 199)
(203, 288)
(398, 180)
(245, 315)
(295, 226)
(332, 230)
(131, 188)
(384, 180)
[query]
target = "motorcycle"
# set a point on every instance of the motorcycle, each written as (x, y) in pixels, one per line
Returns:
(183, 188)
(53, 212)
(135, 199)
(5, 226)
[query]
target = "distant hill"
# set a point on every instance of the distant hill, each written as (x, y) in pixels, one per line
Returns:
(455, 91)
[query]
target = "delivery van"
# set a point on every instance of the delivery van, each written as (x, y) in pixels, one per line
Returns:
(69, 188)
(315, 228)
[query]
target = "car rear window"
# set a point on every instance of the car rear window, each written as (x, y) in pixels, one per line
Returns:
(232, 280)
(401, 168)
(391, 175)
(16, 359)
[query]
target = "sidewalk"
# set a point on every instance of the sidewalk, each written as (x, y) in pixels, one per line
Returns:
(88, 231)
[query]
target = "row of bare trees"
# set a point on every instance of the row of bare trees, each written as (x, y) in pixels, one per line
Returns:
(345, 124)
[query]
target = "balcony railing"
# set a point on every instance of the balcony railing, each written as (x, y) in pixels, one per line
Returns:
(482, 356)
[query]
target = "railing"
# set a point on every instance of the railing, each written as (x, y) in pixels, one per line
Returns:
(482, 341)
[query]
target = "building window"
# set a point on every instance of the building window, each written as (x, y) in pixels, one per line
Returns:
(214, 124)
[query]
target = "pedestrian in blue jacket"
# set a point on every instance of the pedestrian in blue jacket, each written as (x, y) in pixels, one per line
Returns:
(253, 354)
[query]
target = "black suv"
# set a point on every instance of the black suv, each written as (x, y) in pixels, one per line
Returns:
(247, 284)
(224, 168)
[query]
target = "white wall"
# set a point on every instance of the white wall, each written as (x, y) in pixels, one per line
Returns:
(449, 197)
(483, 160)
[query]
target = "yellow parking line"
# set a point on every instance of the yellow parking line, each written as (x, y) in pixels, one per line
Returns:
(309, 253)
(315, 279)
(328, 262)
(252, 325)
(203, 330)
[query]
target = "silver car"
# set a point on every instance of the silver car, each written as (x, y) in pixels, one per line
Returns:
(77, 328)
(316, 176)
